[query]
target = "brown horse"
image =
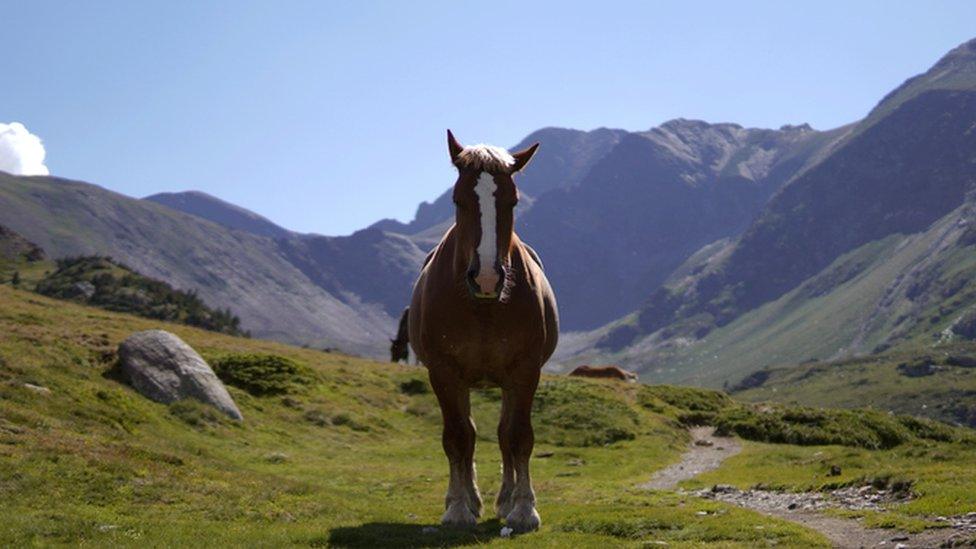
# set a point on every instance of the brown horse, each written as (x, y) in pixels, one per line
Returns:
(483, 314)
(606, 372)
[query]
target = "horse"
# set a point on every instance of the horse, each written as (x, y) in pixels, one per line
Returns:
(606, 372)
(399, 347)
(483, 314)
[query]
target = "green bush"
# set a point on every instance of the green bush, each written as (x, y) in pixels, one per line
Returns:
(105, 283)
(195, 413)
(262, 375)
(414, 386)
(810, 426)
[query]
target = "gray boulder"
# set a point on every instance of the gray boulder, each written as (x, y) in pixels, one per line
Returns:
(163, 368)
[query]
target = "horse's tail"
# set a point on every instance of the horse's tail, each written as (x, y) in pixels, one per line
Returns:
(403, 332)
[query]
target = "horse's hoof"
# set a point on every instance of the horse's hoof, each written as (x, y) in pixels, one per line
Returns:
(523, 518)
(459, 516)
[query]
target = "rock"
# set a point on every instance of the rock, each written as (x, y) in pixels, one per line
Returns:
(506, 532)
(161, 367)
(82, 289)
(704, 442)
(834, 470)
(429, 530)
(37, 388)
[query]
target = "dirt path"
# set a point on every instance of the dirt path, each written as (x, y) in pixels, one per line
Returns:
(707, 452)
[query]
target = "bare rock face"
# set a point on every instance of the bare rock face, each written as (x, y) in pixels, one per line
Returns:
(163, 368)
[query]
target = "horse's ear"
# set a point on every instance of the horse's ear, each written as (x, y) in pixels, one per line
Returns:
(522, 158)
(453, 146)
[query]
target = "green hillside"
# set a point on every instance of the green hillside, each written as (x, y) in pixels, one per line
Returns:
(349, 453)
(105, 283)
(228, 268)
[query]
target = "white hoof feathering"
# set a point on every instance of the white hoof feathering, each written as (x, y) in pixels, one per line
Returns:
(458, 515)
(523, 518)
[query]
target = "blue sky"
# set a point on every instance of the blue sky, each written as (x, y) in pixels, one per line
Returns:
(326, 116)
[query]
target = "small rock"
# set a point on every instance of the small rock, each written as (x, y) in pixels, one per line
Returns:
(792, 506)
(704, 442)
(429, 530)
(834, 470)
(107, 527)
(37, 389)
(506, 532)
(702, 513)
(83, 289)
(900, 538)
(545, 454)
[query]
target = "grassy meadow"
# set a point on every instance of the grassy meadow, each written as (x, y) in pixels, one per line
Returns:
(346, 452)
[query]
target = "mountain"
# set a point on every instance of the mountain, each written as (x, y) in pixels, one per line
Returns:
(852, 255)
(229, 269)
(651, 202)
(561, 162)
(223, 213)
(368, 266)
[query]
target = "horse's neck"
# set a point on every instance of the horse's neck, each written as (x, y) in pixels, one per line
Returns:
(451, 249)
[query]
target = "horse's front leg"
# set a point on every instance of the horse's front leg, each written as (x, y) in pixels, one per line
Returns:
(463, 501)
(523, 516)
(503, 503)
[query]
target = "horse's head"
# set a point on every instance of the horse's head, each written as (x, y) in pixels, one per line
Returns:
(485, 197)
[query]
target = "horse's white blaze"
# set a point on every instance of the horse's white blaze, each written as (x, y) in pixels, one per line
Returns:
(488, 246)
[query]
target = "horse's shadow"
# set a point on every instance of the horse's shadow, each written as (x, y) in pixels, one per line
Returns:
(393, 534)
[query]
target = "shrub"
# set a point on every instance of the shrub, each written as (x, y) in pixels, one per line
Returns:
(195, 413)
(414, 387)
(262, 375)
(105, 283)
(809, 426)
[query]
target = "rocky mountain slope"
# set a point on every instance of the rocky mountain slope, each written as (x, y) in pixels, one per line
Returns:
(223, 213)
(230, 269)
(651, 202)
(884, 211)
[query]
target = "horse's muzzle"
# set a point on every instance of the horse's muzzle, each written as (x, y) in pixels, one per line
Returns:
(486, 286)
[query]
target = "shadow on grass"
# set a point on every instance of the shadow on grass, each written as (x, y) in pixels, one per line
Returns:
(392, 534)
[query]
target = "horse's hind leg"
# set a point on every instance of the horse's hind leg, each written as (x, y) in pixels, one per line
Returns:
(463, 501)
(523, 517)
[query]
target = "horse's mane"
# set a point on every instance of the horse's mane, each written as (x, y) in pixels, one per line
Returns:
(485, 158)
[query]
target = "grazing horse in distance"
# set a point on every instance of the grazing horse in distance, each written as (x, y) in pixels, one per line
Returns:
(483, 314)
(606, 372)
(399, 347)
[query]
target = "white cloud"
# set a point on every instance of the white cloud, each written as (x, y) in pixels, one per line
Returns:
(21, 152)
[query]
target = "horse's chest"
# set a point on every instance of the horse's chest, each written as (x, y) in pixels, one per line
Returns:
(483, 341)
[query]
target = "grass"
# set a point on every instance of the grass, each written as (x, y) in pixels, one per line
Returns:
(351, 458)
(879, 381)
(940, 474)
